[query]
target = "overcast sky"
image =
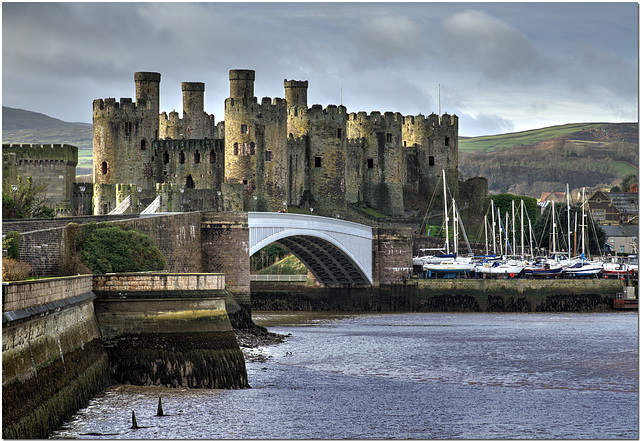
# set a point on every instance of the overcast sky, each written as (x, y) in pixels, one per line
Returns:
(501, 67)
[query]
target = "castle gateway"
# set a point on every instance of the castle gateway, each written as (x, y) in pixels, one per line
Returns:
(264, 156)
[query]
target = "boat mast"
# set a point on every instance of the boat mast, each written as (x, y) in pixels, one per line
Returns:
(493, 226)
(454, 213)
(553, 221)
(530, 237)
(500, 230)
(513, 226)
(568, 225)
(583, 222)
(522, 229)
(446, 216)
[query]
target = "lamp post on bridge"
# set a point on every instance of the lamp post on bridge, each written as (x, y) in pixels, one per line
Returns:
(139, 192)
(82, 188)
(14, 189)
(182, 199)
(219, 200)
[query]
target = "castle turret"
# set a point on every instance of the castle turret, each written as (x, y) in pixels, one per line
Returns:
(255, 144)
(295, 92)
(241, 83)
(148, 90)
(383, 171)
(193, 110)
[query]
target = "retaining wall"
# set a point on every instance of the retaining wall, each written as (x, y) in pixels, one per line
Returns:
(53, 360)
(450, 295)
(168, 330)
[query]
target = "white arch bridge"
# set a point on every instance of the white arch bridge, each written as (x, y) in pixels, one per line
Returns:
(334, 250)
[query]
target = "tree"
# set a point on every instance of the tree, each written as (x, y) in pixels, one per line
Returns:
(503, 202)
(27, 201)
(628, 181)
(543, 229)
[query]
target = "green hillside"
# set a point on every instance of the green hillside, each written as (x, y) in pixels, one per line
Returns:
(496, 142)
(529, 163)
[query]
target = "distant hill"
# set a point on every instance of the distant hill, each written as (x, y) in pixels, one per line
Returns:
(592, 155)
(527, 163)
(26, 127)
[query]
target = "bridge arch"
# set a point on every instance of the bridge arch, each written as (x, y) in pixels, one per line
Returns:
(334, 250)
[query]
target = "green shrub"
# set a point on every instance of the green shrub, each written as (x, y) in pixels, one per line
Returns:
(12, 244)
(110, 249)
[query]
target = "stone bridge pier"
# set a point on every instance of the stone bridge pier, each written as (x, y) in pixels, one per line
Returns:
(337, 252)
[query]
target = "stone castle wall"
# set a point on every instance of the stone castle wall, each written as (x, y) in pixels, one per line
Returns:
(50, 165)
(281, 152)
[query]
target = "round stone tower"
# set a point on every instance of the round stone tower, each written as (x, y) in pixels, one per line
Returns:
(193, 110)
(148, 91)
(295, 93)
(122, 135)
(241, 83)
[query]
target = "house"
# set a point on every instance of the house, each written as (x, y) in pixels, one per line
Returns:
(614, 208)
(621, 239)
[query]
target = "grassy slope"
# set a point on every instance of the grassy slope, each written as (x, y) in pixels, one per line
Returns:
(496, 142)
(592, 155)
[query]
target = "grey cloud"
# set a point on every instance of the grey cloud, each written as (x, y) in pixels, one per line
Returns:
(484, 124)
(499, 50)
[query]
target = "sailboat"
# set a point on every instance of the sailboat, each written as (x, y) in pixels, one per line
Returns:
(583, 267)
(448, 265)
(503, 265)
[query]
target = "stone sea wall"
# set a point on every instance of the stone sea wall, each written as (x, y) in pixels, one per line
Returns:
(66, 339)
(452, 295)
(168, 330)
(53, 360)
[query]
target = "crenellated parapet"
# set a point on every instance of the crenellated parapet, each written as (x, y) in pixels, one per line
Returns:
(58, 153)
(109, 108)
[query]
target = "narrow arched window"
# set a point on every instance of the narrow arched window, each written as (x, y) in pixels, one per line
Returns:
(196, 157)
(182, 157)
(235, 149)
(252, 148)
(143, 145)
(104, 168)
(165, 157)
(212, 157)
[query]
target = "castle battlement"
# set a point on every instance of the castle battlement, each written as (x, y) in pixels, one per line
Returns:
(43, 152)
(376, 117)
(172, 117)
(317, 111)
(111, 107)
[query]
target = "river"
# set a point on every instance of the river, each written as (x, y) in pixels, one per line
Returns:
(410, 375)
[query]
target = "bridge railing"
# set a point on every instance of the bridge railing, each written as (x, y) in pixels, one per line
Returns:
(278, 277)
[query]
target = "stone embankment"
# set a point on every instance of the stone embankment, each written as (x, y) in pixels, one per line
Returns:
(66, 339)
(457, 295)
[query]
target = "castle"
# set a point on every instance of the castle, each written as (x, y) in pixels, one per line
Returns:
(265, 156)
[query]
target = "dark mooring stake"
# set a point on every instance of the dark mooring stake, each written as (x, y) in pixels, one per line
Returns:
(134, 424)
(160, 412)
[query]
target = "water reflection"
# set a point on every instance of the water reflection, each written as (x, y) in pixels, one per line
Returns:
(345, 375)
